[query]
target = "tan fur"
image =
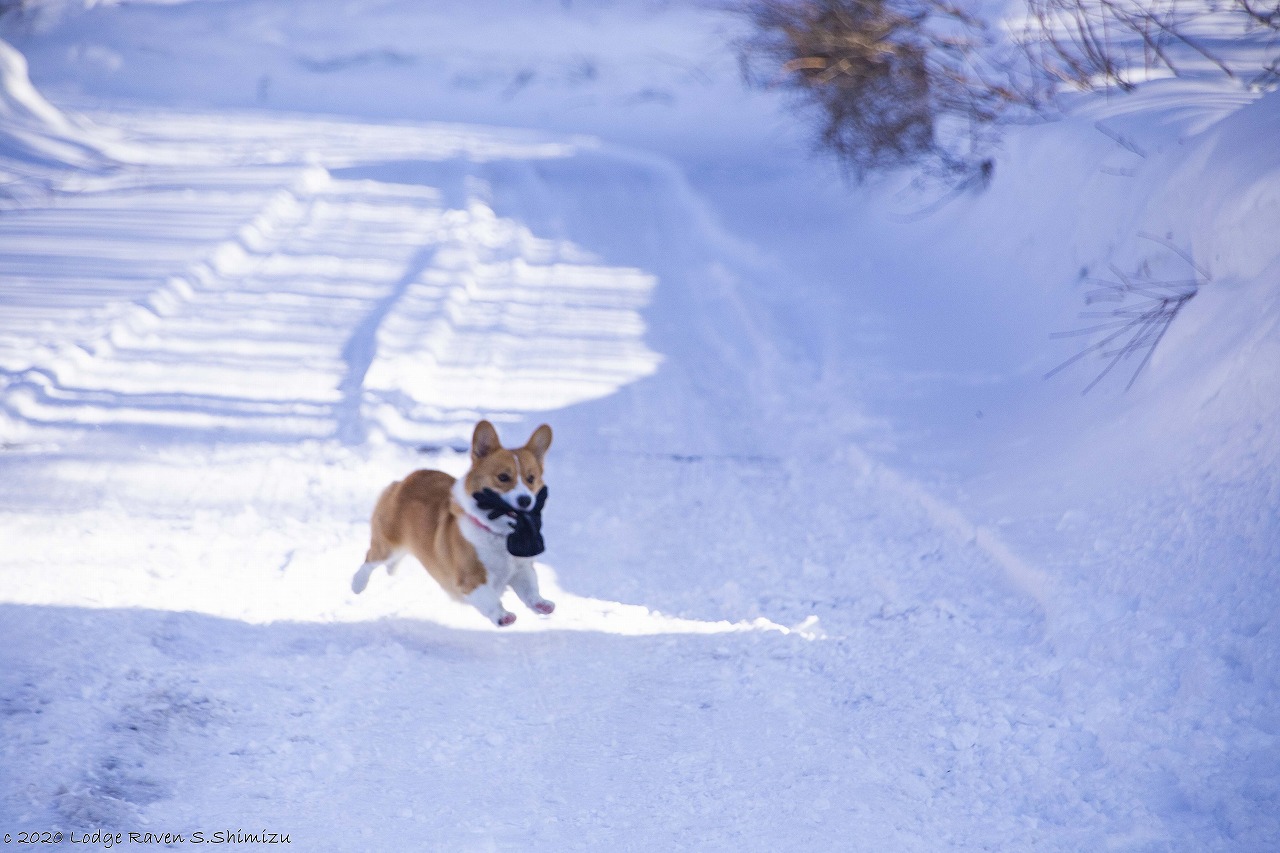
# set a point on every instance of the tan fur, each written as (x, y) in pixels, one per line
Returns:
(419, 514)
(490, 462)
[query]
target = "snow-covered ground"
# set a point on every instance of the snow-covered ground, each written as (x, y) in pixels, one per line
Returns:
(836, 568)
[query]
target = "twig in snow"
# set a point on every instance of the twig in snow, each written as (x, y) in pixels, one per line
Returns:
(1147, 307)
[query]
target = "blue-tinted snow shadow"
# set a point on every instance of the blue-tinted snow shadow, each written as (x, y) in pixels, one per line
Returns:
(119, 718)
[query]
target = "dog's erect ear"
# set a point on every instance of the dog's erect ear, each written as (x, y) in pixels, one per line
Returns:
(539, 442)
(484, 440)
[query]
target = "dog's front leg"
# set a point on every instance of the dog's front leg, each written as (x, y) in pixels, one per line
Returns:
(488, 601)
(490, 575)
(525, 582)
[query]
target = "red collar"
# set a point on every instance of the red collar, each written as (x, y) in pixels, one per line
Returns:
(478, 523)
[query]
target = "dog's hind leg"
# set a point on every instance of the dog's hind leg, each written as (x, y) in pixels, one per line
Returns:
(379, 555)
(384, 538)
(361, 578)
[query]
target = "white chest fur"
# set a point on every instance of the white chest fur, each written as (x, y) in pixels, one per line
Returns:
(501, 568)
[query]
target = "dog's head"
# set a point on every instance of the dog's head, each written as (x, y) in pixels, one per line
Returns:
(515, 474)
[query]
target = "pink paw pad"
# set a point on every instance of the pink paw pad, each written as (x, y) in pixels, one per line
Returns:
(506, 619)
(544, 607)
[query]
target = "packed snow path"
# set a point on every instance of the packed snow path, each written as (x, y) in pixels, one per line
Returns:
(218, 356)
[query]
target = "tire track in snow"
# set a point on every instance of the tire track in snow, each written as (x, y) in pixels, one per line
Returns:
(1030, 580)
(361, 349)
(122, 777)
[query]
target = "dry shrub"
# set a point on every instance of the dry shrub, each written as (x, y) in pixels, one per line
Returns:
(892, 83)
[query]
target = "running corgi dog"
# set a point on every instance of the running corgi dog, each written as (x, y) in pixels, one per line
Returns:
(438, 520)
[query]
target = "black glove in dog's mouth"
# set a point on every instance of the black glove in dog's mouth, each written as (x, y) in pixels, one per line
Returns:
(526, 539)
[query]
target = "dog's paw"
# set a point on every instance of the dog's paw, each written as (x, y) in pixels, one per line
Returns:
(361, 578)
(545, 607)
(506, 619)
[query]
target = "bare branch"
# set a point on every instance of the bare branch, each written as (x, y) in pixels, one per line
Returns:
(1133, 328)
(1099, 43)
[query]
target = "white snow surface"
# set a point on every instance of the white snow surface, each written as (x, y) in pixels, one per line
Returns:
(835, 567)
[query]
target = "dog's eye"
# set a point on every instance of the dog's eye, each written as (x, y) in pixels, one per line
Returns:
(504, 478)
(529, 479)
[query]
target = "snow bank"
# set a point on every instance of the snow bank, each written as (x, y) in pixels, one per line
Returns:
(38, 143)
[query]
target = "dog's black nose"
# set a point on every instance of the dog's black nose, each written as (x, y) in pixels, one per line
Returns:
(524, 500)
